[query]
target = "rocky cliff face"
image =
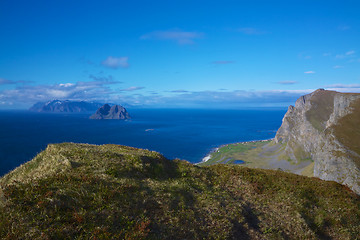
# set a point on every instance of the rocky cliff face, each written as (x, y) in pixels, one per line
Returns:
(325, 126)
(114, 112)
(65, 106)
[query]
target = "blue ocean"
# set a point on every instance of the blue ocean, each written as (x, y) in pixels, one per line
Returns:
(176, 133)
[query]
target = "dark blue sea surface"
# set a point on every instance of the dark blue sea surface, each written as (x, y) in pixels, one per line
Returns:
(177, 133)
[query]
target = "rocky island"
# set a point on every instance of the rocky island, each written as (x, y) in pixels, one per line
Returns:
(114, 112)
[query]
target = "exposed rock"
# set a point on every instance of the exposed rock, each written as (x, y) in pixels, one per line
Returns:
(114, 112)
(325, 126)
(65, 106)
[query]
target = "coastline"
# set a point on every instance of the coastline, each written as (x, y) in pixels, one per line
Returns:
(208, 156)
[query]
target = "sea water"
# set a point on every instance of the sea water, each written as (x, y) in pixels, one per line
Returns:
(176, 133)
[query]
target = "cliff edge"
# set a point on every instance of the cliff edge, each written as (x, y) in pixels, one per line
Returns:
(325, 127)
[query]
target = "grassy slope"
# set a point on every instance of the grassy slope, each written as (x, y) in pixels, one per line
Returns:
(232, 152)
(262, 154)
(112, 192)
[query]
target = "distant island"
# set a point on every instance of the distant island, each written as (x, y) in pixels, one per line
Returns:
(108, 112)
(65, 106)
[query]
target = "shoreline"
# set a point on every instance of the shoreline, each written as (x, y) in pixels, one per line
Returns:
(208, 156)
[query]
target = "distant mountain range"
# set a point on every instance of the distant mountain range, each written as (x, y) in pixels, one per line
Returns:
(65, 106)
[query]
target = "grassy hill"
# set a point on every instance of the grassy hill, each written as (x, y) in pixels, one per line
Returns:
(81, 191)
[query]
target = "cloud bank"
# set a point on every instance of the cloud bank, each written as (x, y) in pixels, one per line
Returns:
(104, 89)
(130, 89)
(82, 90)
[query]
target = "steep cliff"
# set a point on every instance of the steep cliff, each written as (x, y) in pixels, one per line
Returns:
(114, 112)
(325, 126)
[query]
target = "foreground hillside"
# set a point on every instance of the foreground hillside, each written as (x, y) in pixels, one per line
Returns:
(81, 191)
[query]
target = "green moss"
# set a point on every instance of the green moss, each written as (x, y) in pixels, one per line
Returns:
(117, 192)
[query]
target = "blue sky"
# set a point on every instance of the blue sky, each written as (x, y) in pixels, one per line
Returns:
(218, 54)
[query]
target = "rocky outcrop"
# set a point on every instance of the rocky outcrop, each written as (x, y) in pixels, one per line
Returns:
(65, 106)
(114, 112)
(325, 126)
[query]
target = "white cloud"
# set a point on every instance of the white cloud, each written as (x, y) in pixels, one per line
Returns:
(345, 90)
(219, 99)
(339, 56)
(340, 85)
(101, 91)
(116, 62)
(131, 89)
(181, 37)
(287, 82)
(179, 91)
(66, 84)
(344, 27)
(309, 72)
(303, 55)
(345, 55)
(103, 79)
(337, 67)
(91, 90)
(222, 62)
(250, 31)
